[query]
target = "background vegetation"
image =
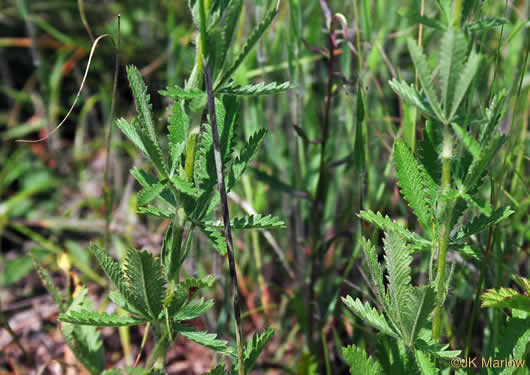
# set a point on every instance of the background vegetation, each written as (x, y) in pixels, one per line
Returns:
(328, 155)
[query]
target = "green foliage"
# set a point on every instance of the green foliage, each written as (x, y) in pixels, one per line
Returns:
(252, 222)
(92, 318)
(145, 280)
(255, 347)
(359, 361)
(508, 298)
(85, 341)
(406, 307)
(205, 339)
(465, 196)
(255, 90)
(413, 185)
(247, 47)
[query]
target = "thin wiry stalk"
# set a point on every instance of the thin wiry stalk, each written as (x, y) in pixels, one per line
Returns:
(226, 216)
(320, 198)
(106, 177)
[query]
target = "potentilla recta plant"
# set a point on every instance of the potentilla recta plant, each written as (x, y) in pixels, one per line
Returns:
(441, 183)
(193, 163)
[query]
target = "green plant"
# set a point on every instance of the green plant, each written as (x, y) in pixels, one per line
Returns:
(190, 162)
(442, 186)
(514, 343)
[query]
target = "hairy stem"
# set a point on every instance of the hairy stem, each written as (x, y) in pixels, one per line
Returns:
(443, 234)
(457, 13)
(226, 217)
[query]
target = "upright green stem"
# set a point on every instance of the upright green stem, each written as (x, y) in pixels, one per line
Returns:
(457, 13)
(443, 234)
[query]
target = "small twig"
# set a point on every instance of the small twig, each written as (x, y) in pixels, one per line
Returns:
(226, 216)
(81, 6)
(5, 323)
(106, 174)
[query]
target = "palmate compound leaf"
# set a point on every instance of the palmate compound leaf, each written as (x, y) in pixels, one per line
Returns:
(467, 140)
(193, 310)
(154, 153)
(184, 186)
(429, 150)
(482, 222)
(246, 154)
(226, 112)
(425, 76)
(178, 93)
(464, 81)
(494, 113)
(255, 90)
(122, 302)
(480, 163)
(115, 273)
(255, 347)
(398, 260)
(452, 56)
(515, 341)
(143, 105)
(386, 224)
(374, 268)
(148, 194)
(505, 298)
(157, 212)
(129, 129)
(251, 41)
(146, 280)
(50, 285)
(370, 315)
(208, 340)
(411, 96)
(184, 291)
(147, 181)
(216, 238)
(173, 252)
(426, 344)
(412, 182)
(415, 314)
(523, 282)
(179, 123)
(251, 222)
(360, 362)
(85, 341)
(93, 318)
(425, 363)
(206, 204)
